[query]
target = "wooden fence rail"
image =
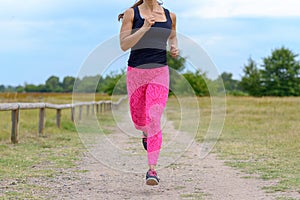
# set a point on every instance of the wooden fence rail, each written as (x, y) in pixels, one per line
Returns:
(15, 108)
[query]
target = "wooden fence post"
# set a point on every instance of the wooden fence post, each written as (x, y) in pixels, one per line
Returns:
(87, 110)
(15, 116)
(93, 109)
(97, 108)
(73, 114)
(80, 113)
(58, 117)
(42, 122)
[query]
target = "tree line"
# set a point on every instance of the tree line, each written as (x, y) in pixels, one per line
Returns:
(86, 84)
(278, 75)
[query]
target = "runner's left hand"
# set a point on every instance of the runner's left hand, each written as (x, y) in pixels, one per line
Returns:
(174, 51)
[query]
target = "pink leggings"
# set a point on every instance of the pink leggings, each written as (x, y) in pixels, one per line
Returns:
(148, 94)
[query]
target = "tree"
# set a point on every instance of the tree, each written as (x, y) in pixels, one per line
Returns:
(281, 73)
(87, 84)
(176, 66)
(2, 88)
(20, 89)
(31, 88)
(251, 81)
(53, 84)
(231, 85)
(68, 83)
(197, 81)
(177, 63)
(114, 83)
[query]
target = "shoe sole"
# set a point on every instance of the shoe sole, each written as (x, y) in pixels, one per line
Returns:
(151, 181)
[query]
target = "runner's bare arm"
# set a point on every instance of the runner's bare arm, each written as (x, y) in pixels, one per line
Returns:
(173, 38)
(127, 38)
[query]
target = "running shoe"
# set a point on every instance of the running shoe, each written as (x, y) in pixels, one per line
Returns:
(151, 177)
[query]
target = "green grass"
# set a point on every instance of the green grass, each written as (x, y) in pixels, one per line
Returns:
(34, 156)
(37, 157)
(260, 136)
(196, 195)
(285, 198)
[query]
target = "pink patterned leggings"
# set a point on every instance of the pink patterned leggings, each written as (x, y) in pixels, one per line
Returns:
(148, 94)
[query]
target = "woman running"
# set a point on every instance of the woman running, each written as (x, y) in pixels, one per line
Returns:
(146, 29)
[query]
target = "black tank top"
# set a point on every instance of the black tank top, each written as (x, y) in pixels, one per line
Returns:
(150, 51)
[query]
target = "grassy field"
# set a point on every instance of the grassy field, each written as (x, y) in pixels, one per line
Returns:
(36, 156)
(260, 136)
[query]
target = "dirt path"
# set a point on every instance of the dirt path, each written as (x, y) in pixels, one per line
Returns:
(121, 172)
(115, 167)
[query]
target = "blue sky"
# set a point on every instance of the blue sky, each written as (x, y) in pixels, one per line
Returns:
(41, 38)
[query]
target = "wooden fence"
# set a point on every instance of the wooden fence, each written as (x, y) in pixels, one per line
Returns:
(15, 108)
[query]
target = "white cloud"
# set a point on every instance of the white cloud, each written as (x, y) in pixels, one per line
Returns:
(244, 8)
